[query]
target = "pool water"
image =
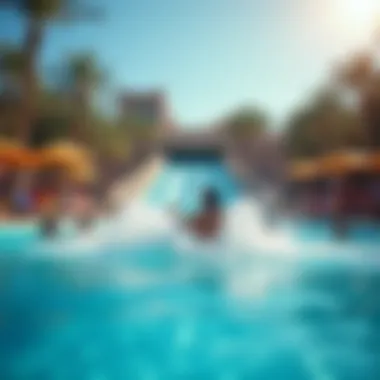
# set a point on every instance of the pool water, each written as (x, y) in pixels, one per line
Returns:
(181, 184)
(146, 306)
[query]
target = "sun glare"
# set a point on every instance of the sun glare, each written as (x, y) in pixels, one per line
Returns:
(361, 13)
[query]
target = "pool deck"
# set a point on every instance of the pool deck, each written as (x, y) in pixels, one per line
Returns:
(130, 186)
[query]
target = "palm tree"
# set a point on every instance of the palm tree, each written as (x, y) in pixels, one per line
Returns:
(11, 65)
(361, 76)
(38, 13)
(83, 76)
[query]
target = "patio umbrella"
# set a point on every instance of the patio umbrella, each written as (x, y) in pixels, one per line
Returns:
(14, 156)
(10, 152)
(343, 163)
(374, 162)
(303, 171)
(75, 160)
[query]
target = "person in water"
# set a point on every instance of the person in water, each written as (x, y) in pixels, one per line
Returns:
(86, 217)
(49, 219)
(340, 223)
(207, 224)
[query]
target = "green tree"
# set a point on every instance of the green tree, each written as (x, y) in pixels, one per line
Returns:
(11, 64)
(326, 124)
(53, 120)
(37, 14)
(360, 75)
(300, 139)
(84, 75)
(138, 130)
(141, 134)
(109, 139)
(245, 123)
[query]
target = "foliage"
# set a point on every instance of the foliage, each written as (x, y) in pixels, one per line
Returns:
(83, 76)
(324, 125)
(60, 109)
(36, 14)
(12, 63)
(360, 75)
(54, 10)
(138, 130)
(109, 139)
(246, 123)
(82, 72)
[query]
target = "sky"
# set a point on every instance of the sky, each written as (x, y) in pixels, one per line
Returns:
(213, 56)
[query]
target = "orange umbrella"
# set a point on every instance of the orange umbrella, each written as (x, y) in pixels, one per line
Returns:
(16, 156)
(28, 160)
(65, 153)
(374, 162)
(74, 159)
(304, 170)
(343, 163)
(10, 151)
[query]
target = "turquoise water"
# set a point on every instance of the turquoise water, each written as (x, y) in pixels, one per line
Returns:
(180, 185)
(142, 310)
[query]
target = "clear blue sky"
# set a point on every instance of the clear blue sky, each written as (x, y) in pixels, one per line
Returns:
(212, 55)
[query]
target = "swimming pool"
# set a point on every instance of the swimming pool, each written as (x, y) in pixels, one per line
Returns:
(138, 307)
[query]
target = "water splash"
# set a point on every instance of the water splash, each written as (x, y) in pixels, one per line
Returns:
(141, 281)
(245, 235)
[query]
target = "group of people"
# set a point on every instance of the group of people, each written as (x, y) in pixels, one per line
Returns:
(205, 225)
(80, 207)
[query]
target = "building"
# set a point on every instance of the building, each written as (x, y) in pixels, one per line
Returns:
(150, 107)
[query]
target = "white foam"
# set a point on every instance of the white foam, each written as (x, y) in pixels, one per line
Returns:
(245, 237)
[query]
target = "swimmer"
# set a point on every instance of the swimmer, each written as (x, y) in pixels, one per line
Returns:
(207, 224)
(49, 220)
(86, 220)
(85, 210)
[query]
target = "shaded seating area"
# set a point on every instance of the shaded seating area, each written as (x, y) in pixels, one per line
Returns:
(31, 178)
(17, 167)
(304, 188)
(344, 183)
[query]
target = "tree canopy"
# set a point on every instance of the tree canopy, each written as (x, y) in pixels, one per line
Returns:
(247, 122)
(325, 124)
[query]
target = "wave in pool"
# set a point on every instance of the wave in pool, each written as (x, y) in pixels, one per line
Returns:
(245, 235)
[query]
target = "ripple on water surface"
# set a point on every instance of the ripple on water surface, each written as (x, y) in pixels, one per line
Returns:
(131, 301)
